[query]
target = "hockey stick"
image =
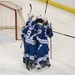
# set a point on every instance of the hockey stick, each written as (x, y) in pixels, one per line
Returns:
(30, 8)
(46, 8)
(21, 44)
(51, 48)
(50, 43)
(64, 34)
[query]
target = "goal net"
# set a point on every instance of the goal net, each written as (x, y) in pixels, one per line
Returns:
(11, 19)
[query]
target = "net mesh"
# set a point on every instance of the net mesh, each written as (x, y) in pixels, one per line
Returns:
(11, 17)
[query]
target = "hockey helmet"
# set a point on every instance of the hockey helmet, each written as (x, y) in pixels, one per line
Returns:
(30, 15)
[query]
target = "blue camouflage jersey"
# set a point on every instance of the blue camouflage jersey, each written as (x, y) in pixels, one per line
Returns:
(42, 34)
(42, 51)
(30, 22)
(42, 37)
(30, 34)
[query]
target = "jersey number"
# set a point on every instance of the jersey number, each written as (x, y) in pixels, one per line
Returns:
(28, 33)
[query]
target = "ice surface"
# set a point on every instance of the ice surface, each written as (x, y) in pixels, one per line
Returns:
(63, 48)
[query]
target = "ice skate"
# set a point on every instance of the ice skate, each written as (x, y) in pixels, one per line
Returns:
(35, 62)
(31, 65)
(27, 65)
(47, 63)
(38, 66)
(43, 65)
(24, 60)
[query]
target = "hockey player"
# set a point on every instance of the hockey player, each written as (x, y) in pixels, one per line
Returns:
(30, 41)
(26, 32)
(30, 18)
(42, 45)
(29, 21)
(49, 33)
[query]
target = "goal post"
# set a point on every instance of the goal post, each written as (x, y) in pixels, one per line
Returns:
(11, 17)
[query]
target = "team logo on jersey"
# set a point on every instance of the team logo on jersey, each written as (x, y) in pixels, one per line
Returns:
(39, 31)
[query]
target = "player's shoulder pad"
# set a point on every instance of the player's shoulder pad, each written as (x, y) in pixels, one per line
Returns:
(31, 27)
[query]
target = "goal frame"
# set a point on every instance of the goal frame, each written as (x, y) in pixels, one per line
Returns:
(15, 12)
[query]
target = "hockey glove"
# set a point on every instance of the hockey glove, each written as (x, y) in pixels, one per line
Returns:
(22, 36)
(49, 30)
(50, 35)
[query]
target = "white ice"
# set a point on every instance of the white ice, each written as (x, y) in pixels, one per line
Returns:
(63, 47)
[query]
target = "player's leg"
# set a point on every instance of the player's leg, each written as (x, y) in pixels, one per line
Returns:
(47, 63)
(27, 55)
(32, 56)
(39, 55)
